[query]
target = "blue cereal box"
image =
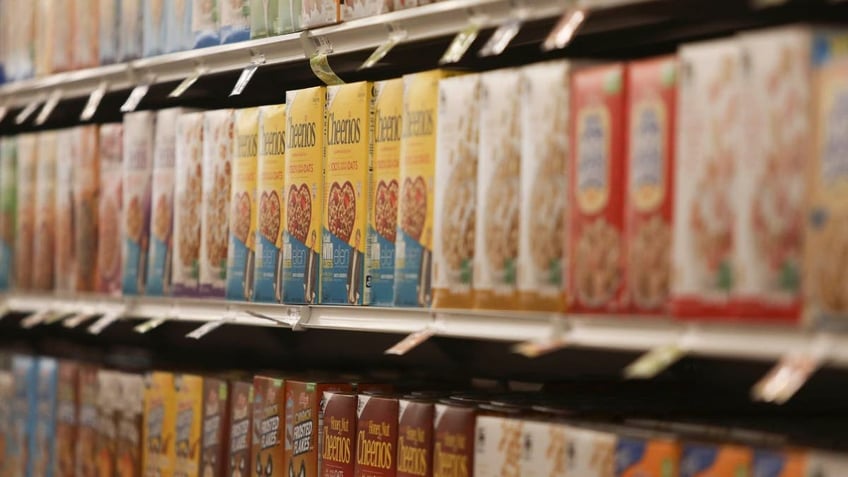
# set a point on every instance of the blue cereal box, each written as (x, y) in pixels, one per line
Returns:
(178, 34)
(270, 192)
(154, 27)
(235, 21)
(241, 258)
(44, 454)
(205, 23)
(136, 187)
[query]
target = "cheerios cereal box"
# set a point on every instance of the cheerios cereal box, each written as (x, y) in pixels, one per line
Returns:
(137, 184)
(708, 460)
(86, 194)
(638, 455)
(597, 190)
(414, 242)
(241, 260)
(25, 209)
(346, 181)
(382, 221)
(779, 463)
(45, 212)
(64, 262)
(542, 234)
(8, 209)
(158, 430)
(218, 153)
(188, 424)
(455, 192)
(304, 179)
(268, 277)
(651, 97)
(109, 209)
(188, 195)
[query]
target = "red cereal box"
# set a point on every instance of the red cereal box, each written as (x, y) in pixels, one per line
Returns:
(338, 417)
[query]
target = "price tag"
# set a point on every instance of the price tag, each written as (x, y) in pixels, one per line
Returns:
(210, 326)
(565, 29)
(48, 107)
(786, 378)
(94, 100)
(396, 35)
(247, 73)
(106, 320)
(413, 340)
(316, 50)
(186, 83)
(35, 319)
(77, 319)
(27, 111)
(559, 338)
(462, 41)
(138, 93)
(501, 37)
(4, 110)
(150, 325)
(654, 362)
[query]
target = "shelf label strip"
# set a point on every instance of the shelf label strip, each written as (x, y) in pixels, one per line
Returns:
(94, 100)
(396, 35)
(35, 319)
(316, 50)
(105, 321)
(188, 81)
(77, 319)
(27, 111)
(4, 110)
(785, 379)
(49, 107)
(150, 325)
(247, 73)
(413, 340)
(501, 38)
(462, 41)
(210, 326)
(138, 93)
(565, 29)
(654, 361)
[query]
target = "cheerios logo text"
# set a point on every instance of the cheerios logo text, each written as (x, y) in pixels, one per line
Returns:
(343, 131)
(388, 128)
(301, 135)
(418, 123)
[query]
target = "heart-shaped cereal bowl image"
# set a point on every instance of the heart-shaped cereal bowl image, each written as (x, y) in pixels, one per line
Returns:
(341, 210)
(386, 209)
(413, 206)
(299, 212)
(269, 215)
(241, 216)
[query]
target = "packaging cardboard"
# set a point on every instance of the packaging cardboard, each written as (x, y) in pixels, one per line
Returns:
(64, 259)
(205, 23)
(453, 445)
(218, 150)
(153, 15)
(63, 35)
(44, 439)
(303, 406)
(304, 180)
(267, 451)
(106, 448)
(188, 195)
(85, 448)
(86, 194)
(235, 21)
(826, 464)
(240, 430)
(270, 216)
(45, 212)
(87, 34)
(25, 412)
(376, 436)
(364, 8)
(415, 438)
(108, 27)
(128, 450)
(497, 446)
(67, 419)
(241, 262)
(348, 154)
(382, 223)
(188, 424)
(8, 209)
(455, 192)
(707, 460)
(139, 134)
(315, 13)
(110, 210)
(130, 30)
(265, 17)
(178, 28)
(215, 427)
(338, 430)
(45, 36)
(159, 439)
(643, 455)
(544, 449)
(779, 463)
(25, 217)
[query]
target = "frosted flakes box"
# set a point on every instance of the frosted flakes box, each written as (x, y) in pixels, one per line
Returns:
(651, 93)
(453, 444)
(85, 199)
(108, 26)
(64, 259)
(597, 189)
(240, 431)
(708, 157)
(108, 395)
(43, 448)
(45, 212)
(128, 450)
(642, 455)
(110, 207)
(241, 262)
(130, 30)
(188, 429)
(25, 209)
(235, 20)
(353, 9)
(139, 131)
(8, 209)
(158, 431)
(708, 460)
(415, 438)
(188, 195)
(826, 464)
(382, 222)
(315, 13)
(338, 451)
(67, 418)
(153, 15)
(269, 409)
(265, 17)
(205, 23)
(347, 164)
(178, 25)
(414, 242)
(545, 155)
(86, 49)
(498, 446)
(214, 431)
(304, 179)
(218, 150)
(270, 195)
(24, 417)
(455, 192)
(779, 463)
(85, 448)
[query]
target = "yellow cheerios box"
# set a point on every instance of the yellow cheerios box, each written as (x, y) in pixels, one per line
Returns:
(241, 253)
(158, 449)
(270, 192)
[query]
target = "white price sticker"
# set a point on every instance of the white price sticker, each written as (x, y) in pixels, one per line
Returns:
(49, 107)
(94, 100)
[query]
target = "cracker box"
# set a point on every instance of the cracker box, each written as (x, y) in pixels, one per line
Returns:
(205, 23)
(651, 101)
(382, 222)
(188, 424)
(108, 27)
(241, 261)
(240, 433)
(45, 212)
(267, 451)
(85, 449)
(7, 435)
(545, 154)
(86, 50)
(86, 192)
(376, 436)
(643, 455)
(153, 15)
(218, 150)
(21, 449)
(338, 451)
(708, 460)
(178, 33)
(268, 278)
(453, 444)
(214, 431)
(779, 463)
(265, 17)
(315, 13)
(158, 430)
(708, 154)
(346, 180)
(364, 8)
(130, 30)
(64, 260)
(44, 440)
(25, 209)
(8, 209)
(414, 243)
(110, 207)
(304, 179)
(235, 21)
(303, 405)
(498, 446)
(67, 419)
(597, 189)
(415, 438)
(108, 396)
(826, 464)
(128, 449)
(139, 133)
(188, 195)
(456, 192)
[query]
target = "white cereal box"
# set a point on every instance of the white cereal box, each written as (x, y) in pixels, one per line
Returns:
(826, 464)
(45, 36)
(265, 17)
(498, 184)
(25, 217)
(108, 25)
(708, 157)
(139, 128)
(188, 195)
(205, 23)
(456, 192)
(86, 36)
(64, 261)
(63, 35)
(218, 151)
(551, 449)
(110, 208)
(354, 9)
(235, 21)
(45, 212)
(316, 13)
(178, 34)
(153, 15)
(498, 446)
(130, 30)
(86, 192)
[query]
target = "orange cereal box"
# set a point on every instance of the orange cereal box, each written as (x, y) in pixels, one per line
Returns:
(779, 463)
(189, 422)
(159, 446)
(636, 456)
(709, 460)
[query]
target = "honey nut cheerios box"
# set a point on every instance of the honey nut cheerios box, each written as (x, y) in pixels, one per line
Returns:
(158, 430)
(8, 209)
(382, 220)
(304, 179)
(651, 97)
(597, 189)
(188, 195)
(241, 260)
(270, 192)
(109, 208)
(414, 242)
(188, 424)
(25, 207)
(218, 152)
(64, 261)
(139, 128)
(86, 195)
(455, 192)
(45, 212)
(347, 164)
(709, 128)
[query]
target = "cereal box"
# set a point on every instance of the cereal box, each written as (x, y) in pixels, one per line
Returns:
(347, 170)
(641, 455)
(205, 23)
(45, 212)
(240, 433)
(315, 13)
(545, 448)
(162, 203)
(498, 446)
(382, 223)
(241, 261)
(44, 440)
(826, 464)
(265, 17)
(218, 152)
(651, 93)
(456, 192)
(63, 39)
(304, 179)
(708, 460)
(188, 193)
(159, 439)
(235, 21)
(86, 51)
(414, 244)
(178, 33)
(268, 278)
(25, 379)
(108, 396)
(86, 438)
(128, 450)
(153, 15)
(110, 207)
(545, 154)
(707, 152)
(415, 438)
(214, 431)
(290, 15)
(351, 10)
(7, 435)
(45, 36)
(303, 405)
(189, 421)
(108, 26)
(376, 436)
(64, 260)
(8, 209)
(67, 419)
(21, 32)
(25, 209)
(130, 30)
(85, 192)
(139, 131)
(268, 425)
(453, 447)
(779, 463)
(338, 417)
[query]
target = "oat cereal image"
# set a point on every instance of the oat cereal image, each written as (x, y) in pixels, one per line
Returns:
(458, 230)
(501, 222)
(216, 217)
(269, 215)
(189, 204)
(134, 218)
(386, 209)
(413, 206)
(109, 243)
(299, 212)
(650, 263)
(597, 270)
(161, 227)
(241, 216)
(219, 151)
(341, 210)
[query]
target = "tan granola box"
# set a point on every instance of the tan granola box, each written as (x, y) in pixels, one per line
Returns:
(218, 150)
